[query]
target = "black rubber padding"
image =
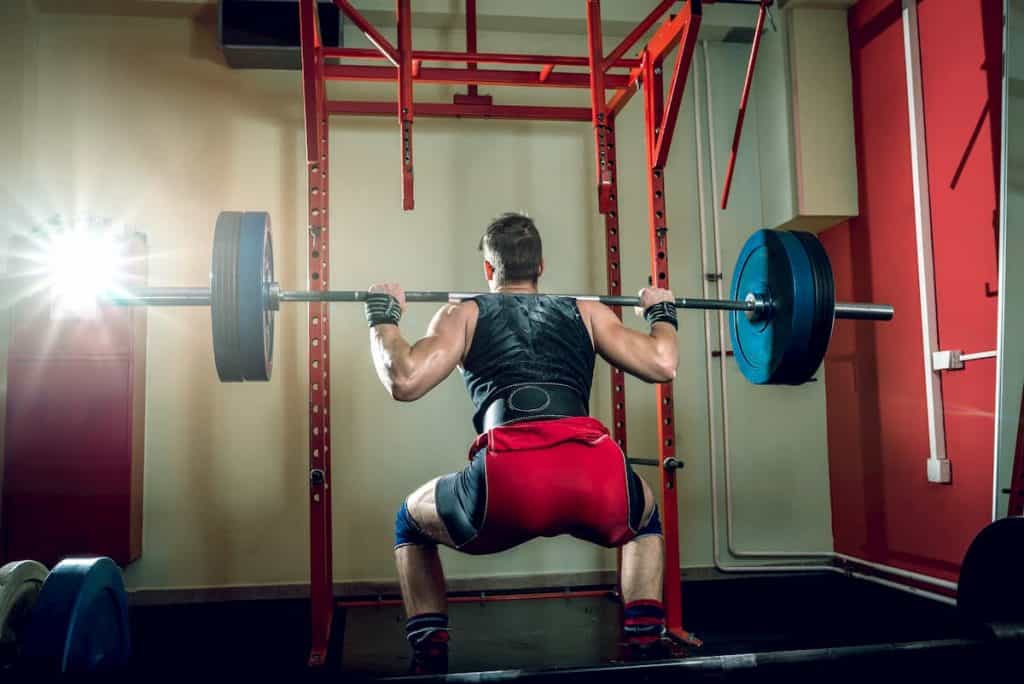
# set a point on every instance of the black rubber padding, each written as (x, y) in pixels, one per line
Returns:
(825, 307)
(227, 354)
(991, 587)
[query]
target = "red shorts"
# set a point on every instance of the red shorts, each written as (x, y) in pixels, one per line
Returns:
(541, 479)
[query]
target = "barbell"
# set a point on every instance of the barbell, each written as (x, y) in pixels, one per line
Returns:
(780, 316)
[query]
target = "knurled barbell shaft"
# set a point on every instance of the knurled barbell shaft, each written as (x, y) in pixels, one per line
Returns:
(200, 296)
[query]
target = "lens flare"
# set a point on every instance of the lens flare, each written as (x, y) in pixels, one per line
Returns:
(82, 265)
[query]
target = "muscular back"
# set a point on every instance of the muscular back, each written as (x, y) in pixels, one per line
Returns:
(527, 339)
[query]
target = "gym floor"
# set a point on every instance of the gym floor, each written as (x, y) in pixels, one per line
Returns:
(732, 615)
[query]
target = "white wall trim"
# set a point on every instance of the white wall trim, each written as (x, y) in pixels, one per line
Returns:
(925, 255)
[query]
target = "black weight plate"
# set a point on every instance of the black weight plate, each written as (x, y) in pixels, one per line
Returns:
(824, 307)
(224, 298)
(255, 316)
(991, 587)
(80, 621)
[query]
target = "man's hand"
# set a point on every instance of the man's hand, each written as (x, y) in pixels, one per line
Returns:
(650, 296)
(393, 289)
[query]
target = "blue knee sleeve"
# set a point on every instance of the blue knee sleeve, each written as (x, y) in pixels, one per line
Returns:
(407, 531)
(653, 525)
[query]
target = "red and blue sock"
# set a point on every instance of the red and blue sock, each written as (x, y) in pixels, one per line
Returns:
(643, 622)
(427, 633)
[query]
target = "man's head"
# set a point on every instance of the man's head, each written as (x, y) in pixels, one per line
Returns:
(512, 251)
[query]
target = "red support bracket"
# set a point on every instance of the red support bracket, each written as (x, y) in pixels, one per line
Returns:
(684, 58)
(667, 35)
(320, 520)
(664, 39)
(636, 34)
(369, 30)
(747, 82)
(405, 107)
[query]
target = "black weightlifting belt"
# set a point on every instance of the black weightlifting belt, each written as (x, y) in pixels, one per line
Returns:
(532, 401)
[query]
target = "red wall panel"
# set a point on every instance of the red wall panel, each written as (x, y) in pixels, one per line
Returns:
(74, 422)
(883, 507)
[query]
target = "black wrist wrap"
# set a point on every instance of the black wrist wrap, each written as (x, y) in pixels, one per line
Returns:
(382, 308)
(662, 312)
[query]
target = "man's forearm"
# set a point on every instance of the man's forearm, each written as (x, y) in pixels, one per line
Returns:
(390, 356)
(666, 348)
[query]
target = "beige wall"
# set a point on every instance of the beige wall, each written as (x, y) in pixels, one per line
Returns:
(138, 119)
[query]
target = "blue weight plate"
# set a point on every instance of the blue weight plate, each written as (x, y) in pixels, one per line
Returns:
(773, 265)
(758, 344)
(80, 620)
(255, 317)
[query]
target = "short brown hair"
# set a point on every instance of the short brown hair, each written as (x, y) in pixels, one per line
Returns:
(511, 244)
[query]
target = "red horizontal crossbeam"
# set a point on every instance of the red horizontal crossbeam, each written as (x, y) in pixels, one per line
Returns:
(467, 111)
(624, 94)
(503, 77)
(478, 57)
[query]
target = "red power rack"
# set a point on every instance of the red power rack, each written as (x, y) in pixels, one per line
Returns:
(615, 73)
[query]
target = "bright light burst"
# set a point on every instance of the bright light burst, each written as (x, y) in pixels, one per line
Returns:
(81, 265)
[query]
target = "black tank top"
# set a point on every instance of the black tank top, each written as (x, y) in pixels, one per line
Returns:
(527, 338)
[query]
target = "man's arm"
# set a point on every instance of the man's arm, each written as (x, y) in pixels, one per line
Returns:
(410, 371)
(652, 357)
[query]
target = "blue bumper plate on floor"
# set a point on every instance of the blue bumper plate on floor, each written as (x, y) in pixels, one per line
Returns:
(80, 620)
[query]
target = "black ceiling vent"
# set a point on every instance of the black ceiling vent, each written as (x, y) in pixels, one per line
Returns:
(264, 34)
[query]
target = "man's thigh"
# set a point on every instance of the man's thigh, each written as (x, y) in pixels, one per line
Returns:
(422, 505)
